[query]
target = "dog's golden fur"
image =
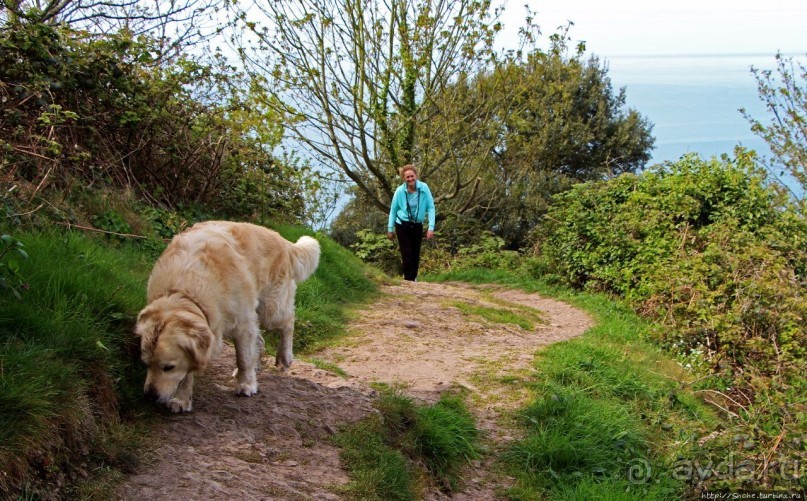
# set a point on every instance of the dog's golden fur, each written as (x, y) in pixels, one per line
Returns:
(219, 279)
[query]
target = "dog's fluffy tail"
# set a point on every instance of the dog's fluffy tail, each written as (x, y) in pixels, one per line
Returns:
(305, 257)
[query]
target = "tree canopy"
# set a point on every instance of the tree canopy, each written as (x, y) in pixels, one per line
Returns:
(566, 125)
(784, 93)
(367, 86)
(555, 120)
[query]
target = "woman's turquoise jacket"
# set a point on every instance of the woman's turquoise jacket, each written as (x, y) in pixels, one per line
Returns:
(398, 212)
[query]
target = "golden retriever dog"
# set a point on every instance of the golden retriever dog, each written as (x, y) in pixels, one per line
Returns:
(219, 280)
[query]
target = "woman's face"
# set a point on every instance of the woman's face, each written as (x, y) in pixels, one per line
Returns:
(410, 177)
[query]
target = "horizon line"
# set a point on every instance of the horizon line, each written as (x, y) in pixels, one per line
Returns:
(704, 55)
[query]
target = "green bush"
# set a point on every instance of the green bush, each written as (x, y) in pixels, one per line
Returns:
(378, 250)
(707, 247)
(102, 111)
(716, 255)
(488, 252)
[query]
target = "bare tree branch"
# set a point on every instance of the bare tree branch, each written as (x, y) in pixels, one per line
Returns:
(368, 80)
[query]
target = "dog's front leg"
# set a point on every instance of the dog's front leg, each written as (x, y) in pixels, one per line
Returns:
(182, 401)
(284, 355)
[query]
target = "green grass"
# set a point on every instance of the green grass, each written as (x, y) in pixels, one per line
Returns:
(327, 366)
(604, 404)
(66, 351)
(444, 435)
(383, 452)
(522, 318)
(377, 470)
(69, 362)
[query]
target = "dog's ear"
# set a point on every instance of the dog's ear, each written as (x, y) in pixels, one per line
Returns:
(149, 325)
(198, 342)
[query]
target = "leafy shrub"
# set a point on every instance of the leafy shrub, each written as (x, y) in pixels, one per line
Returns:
(113, 223)
(488, 252)
(706, 246)
(165, 224)
(716, 255)
(376, 249)
(102, 111)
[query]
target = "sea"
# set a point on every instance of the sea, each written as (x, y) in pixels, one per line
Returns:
(694, 101)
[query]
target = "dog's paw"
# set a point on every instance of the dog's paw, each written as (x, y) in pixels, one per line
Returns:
(283, 361)
(176, 405)
(246, 390)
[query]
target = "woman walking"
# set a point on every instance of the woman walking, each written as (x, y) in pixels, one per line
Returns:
(411, 203)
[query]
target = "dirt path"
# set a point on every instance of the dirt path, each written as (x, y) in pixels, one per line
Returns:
(275, 445)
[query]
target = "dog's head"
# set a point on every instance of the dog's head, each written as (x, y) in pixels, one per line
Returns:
(175, 340)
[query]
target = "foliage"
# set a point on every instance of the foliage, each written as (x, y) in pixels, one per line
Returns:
(10, 277)
(357, 214)
(139, 17)
(719, 258)
(378, 250)
(785, 96)
(366, 86)
(104, 111)
(488, 252)
(707, 246)
(570, 121)
(566, 124)
(113, 223)
(165, 224)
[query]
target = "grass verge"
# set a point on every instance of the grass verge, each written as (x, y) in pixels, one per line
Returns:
(522, 317)
(393, 455)
(611, 417)
(68, 359)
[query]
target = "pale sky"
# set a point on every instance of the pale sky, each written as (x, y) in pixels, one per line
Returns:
(672, 27)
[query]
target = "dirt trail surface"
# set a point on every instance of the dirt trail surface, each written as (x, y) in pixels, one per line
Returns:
(275, 445)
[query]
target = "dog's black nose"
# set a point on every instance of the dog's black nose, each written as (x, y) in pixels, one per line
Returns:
(151, 394)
